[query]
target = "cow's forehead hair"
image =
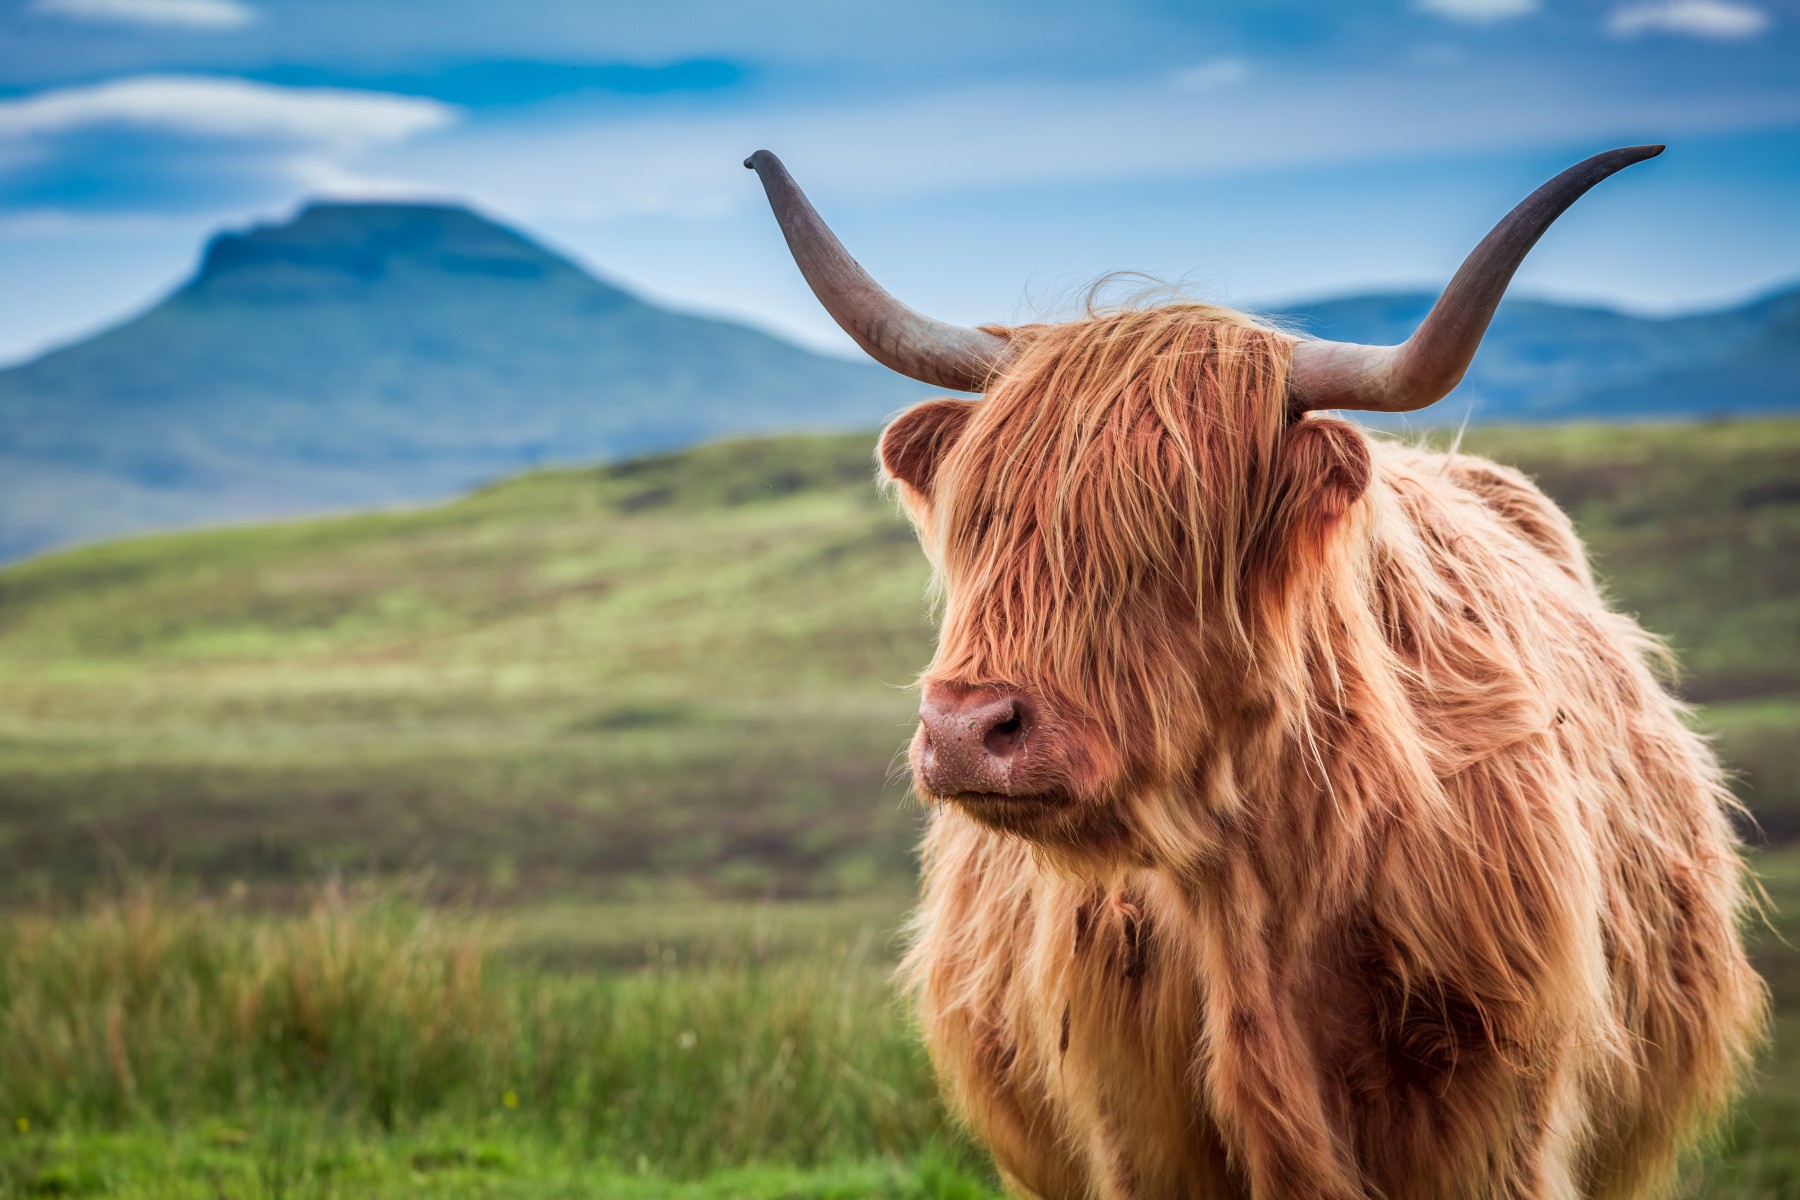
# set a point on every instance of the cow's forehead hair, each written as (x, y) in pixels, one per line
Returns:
(1122, 452)
(1102, 421)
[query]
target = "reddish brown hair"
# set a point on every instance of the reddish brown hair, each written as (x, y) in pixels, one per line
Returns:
(1390, 868)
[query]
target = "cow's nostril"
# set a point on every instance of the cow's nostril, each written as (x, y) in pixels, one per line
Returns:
(1003, 738)
(977, 740)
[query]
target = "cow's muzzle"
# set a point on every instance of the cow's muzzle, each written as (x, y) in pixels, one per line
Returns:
(981, 741)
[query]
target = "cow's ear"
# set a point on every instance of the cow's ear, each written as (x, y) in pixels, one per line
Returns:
(1323, 467)
(1326, 462)
(918, 439)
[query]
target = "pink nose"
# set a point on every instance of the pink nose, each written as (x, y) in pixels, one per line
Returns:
(973, 739)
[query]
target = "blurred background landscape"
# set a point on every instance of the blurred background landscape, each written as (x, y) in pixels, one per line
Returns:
(454, 655)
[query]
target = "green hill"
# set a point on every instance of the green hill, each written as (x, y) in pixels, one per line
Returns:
(680, 673)
(369, 353)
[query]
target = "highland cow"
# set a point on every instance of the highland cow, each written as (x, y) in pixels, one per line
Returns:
(1304, 823)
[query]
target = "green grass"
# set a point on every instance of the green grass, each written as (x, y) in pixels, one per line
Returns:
(293, 1159)
(682, 676)
(162, 1045)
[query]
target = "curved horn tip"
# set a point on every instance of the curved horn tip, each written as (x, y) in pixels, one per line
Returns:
(934, 352)
(1624, 157)
(1424, 368)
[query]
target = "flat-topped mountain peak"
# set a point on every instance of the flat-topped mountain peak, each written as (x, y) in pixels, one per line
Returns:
(347, 250)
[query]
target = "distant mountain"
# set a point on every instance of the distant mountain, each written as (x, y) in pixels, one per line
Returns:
(367, 354)
(371, 353)
(1758, 372)
(1562, 362)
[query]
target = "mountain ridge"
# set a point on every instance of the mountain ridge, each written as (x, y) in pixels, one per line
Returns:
(1550, 361)
(367, 354)
(373, 354)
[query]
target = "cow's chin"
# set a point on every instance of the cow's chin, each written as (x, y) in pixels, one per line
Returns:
(1080, 833)
(1033, 814)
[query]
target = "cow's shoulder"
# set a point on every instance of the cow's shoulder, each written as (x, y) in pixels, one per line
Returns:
(1506, 491)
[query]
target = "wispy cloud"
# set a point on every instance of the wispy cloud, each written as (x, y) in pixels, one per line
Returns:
(192, 14)
(1478, 12)
(196, 143)
(205, 106)
(589, 166)
(1211, 75)
(1720, 20)
(316, 175)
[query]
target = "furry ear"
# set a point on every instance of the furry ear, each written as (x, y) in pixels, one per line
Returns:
(1326, 467)
(916, 442)
(1322, 468)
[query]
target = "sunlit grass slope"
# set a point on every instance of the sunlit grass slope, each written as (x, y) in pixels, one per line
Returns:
(681, 669)
(681, 675)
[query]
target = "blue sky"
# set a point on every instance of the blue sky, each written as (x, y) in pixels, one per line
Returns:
(986, 161)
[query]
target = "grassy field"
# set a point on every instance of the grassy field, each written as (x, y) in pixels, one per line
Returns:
(671, 673)
(612, 749)
(162, 1046)
(682, 675)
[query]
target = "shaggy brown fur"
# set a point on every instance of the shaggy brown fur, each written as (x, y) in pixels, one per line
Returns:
(1382, 865)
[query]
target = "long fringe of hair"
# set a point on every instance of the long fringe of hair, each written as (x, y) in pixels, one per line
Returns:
(1379, 767)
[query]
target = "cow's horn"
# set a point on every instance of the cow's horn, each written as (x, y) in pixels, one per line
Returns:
(943, 355)
(1422, 369)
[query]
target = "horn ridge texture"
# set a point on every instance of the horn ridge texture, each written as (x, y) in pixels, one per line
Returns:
(898, 337)
(1423, 369)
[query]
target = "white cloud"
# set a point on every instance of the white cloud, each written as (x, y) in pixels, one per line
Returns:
(318, 176)
(1209, 76)
(194, 14)
(1478, 12)
(227, 108)
(1721, 20)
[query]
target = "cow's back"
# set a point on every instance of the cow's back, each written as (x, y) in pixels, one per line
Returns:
(1066, 1014)
(1652, 799)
